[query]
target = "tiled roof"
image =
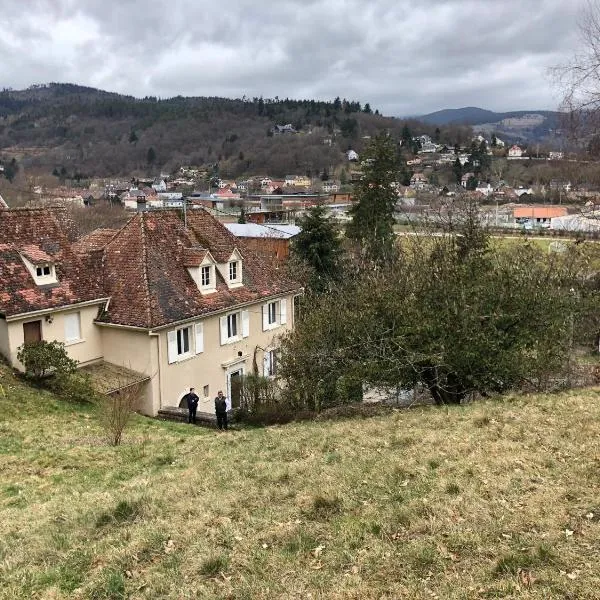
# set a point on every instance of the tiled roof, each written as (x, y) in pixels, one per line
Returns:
(539, 212)
(145, 274)
(40, 234)
(96, 240)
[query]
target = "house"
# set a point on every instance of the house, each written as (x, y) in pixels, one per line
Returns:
(271, 242)
(330, 187)
(537, 216)
(352, 156)
(556, 155)
(428, 147)
(283, 129)
(515, 152)
(265, 182)
(159, 185)
(177, 305)
(485, 188)
(133, 198)
(500, 143)
(418, 181)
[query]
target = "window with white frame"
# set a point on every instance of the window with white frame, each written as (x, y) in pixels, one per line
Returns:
(234, 271)
(72, 323)
(274, 314)
(206, 279)
(184, 342)
(235, 326)
(43, 270)
(270, 361)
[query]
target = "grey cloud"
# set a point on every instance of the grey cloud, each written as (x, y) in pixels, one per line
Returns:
(402, 56)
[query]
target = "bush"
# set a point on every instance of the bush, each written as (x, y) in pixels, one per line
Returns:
(43, 358)
(73, 388)
(115, 411)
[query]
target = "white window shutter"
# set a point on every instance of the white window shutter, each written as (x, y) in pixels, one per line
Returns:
(266, 361)
(172, 346)
(245, 323)
(199, 335)
(283, 309)
(265, 314)
(224, 335)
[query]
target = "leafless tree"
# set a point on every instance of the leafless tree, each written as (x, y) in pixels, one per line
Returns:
(115, 410)
(579, 79)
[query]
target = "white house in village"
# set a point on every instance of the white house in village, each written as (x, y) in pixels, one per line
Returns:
(515, 152)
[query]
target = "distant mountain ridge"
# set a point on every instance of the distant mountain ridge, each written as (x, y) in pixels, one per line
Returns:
(517, 125)
(473, 115)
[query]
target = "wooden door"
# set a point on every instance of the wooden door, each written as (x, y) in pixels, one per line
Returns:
(32, 332)
(235, 384)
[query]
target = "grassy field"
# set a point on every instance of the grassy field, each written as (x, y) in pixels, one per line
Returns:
(500, 499)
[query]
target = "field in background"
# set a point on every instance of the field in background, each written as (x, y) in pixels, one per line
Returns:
(498, 499)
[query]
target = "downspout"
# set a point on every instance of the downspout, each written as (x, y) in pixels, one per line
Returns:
(160, 383)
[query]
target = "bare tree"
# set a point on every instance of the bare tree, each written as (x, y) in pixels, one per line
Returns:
(579, 79)
(115, 410)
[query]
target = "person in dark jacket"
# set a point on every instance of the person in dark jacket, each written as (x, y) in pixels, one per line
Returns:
(221, 410)
(192, 403)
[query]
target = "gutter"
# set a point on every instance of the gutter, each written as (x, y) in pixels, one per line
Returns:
(45, 311)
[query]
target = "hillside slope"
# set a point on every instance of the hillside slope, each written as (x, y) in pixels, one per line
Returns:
(103, 134)
(497, 499)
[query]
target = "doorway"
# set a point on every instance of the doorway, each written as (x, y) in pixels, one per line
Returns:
(234, 387)
(32, 332)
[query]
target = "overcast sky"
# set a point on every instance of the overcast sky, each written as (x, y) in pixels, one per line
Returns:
(403, 56)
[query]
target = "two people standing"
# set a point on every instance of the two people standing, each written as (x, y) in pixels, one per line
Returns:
(192, 399)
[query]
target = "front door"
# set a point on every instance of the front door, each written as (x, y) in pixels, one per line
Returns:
(32, 332)
(235, 385)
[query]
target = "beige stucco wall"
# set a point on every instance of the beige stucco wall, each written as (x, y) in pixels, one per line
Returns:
(4, 344)
(138, 351)
(88, 349)
(211, 366)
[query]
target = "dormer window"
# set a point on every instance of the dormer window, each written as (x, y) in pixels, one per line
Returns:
(201, 266)
(39, 264)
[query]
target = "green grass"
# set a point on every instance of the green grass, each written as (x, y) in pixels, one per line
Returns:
(497, 499)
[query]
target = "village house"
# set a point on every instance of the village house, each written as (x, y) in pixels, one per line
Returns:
(537, 216)
(179, 306)
(271, 242)
(352, 156)
(515, 152)
(418, 181)
(330, 187)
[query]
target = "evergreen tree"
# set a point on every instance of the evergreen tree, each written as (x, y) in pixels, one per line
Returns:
(367, 109)
(372, 223)
(437, 135)
(457, 170)
(133, 138)
(151, 155)
(11, 169)
(318, 248)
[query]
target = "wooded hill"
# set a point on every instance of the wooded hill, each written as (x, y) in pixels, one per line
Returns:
(97, 133)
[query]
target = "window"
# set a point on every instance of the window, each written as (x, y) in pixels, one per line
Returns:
(274, 314)
(232, 325)
(43, 271)
(235, 326)
(205, 278)
(206, 391)
(270, 363)
(184, 342)
(72, 327)
(233, 270)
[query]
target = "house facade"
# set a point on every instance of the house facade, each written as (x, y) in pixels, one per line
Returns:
(180, 306)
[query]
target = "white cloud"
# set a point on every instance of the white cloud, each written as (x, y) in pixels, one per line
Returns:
(402, 56)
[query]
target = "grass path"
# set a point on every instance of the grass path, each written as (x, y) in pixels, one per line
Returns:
(496, 500)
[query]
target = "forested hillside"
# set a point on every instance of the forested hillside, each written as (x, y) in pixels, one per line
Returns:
(98, 133)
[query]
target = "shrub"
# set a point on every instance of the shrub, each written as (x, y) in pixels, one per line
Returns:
(43, 358)
(115, 411)
(74, 387)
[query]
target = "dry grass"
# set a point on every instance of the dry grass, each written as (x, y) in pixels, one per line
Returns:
(495, 500)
